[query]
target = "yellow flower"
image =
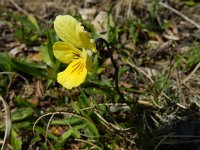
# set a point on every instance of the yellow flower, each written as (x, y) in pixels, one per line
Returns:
(72, 50)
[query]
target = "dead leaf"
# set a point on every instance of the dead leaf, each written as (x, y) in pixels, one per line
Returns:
(87, 13)
(170, 35)
(33, 101)
(40, 89)
(57, 130)
(13, 52)
(101, 22)
(37, 57)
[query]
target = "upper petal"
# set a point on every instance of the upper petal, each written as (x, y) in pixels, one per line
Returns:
(87, 42)
(65, 52)
(70, 30)
(73, 75)
(67, 28)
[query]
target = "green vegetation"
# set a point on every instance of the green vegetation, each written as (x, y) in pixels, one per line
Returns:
(158, 60)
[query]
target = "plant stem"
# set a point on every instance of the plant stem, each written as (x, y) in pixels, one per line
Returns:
(99, 43)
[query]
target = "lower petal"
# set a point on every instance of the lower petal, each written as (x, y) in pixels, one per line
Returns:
(73, 75)
(65, 52)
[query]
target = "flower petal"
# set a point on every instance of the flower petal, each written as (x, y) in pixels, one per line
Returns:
(73, 75)
(66, 53)
(68, 28)
(86, 58)
(87, 42)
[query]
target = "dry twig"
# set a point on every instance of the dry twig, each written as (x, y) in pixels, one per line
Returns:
(18, 7)
(7, 124)
(180, 14)
(90, 143)
(146, 75)
(113, 127)
(191, 74)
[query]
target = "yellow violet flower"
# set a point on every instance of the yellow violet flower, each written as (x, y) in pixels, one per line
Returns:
(72, 50)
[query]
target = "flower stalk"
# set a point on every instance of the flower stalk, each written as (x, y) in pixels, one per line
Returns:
(99, 43)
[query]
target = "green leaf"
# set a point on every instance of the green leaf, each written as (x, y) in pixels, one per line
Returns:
(2, 126)
(5, 62)
(23, 103)
(20, 125)
(71, 132)
(76, 107)
(122, 70)
(76, 134)
(35, 139)
(34, 69)
(29, 30)
(50, 41)
(33, 21)
(42, 131)
(103, 108)
(66, 121)
(66, 135)
(162, 83)
(106, 81)
(93, 90)
(21, 114)
(29, 22)
(101, 69)
(189, 2)
(92, 130)
(45, 55)
(83, 100)
(111, 22)
(133, 34)
(194, 57)
(16, 141)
